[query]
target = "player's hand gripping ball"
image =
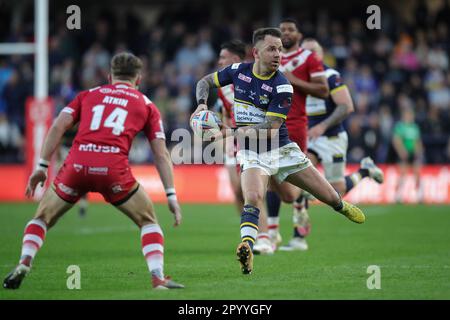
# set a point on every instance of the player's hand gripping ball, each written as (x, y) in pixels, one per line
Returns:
(206, 124)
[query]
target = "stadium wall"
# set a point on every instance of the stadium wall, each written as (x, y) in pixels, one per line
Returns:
(210, 184)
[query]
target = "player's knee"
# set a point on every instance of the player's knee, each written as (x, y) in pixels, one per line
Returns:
(238, 195)
(46, 214)
(145, 218)
(254, 198)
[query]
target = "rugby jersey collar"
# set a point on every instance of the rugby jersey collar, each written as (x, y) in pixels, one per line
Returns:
(123, 84)
(260, 77)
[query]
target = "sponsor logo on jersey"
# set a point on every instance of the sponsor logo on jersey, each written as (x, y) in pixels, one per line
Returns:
(105, 90)
(77, 167)
(101, 171)
(67, 190)
(91, 147)
(235, 66)
(117, 188)
(252, 95)
(285, 88)
(239, 90)
(266, 87)
(263, 99)
(245, 78)
(121, 91)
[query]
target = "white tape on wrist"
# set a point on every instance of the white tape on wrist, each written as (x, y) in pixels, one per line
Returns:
(43, 162)
(172, 197)
(170, 190)
(41, 168)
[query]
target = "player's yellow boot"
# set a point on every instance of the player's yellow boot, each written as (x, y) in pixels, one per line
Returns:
(245, 257)
(352, 212)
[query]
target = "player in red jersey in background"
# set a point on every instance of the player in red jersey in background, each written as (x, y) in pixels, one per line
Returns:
(109, 118)
(231, 52)
(305, 72)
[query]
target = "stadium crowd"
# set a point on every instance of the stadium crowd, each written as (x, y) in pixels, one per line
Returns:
(404, 65)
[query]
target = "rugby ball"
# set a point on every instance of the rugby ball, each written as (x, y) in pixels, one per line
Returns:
(205, 124)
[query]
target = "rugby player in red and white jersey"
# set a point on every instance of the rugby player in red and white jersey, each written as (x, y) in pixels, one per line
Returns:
(233, 51)
(109, 117)
(305, 72)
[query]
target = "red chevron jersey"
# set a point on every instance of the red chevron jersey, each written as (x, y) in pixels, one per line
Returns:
(303, 64)
(109, 118)
(226, 95)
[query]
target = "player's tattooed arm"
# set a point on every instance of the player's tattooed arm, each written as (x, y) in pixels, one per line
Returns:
(203, 87)
(269, 127)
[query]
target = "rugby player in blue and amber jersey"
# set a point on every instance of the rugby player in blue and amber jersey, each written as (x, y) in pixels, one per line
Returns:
(262, 101)
(328, 139)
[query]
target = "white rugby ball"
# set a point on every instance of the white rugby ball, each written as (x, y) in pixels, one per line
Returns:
(205, 124)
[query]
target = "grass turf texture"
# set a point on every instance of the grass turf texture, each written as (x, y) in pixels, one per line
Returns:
(411, 244)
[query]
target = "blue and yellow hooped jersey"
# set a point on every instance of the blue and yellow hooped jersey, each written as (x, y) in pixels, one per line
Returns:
(256, 97)
(318, 109)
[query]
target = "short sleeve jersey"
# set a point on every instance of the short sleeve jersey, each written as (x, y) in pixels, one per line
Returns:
(319, 109)
(303, 64)
(256, 97)
(109, 118)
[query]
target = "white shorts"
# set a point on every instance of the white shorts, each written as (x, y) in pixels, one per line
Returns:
(331, 152)
(279, 163)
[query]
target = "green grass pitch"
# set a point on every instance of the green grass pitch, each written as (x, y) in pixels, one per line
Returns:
(410, 244)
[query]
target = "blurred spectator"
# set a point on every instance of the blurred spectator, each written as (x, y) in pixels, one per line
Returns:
(405, 66)
(408, 146)
(14, 95)
(10, 141)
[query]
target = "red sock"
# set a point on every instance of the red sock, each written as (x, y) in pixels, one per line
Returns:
(153, 248)
(33, 240)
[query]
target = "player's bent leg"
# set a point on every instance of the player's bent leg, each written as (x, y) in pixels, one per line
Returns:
(50, 209)
(312, 181)
(236, 185)
(417, 167)
(139, 208)
(287, 191)
(340, 187)
(273, 203)
(254, 183)
(263, 243)
(403, 170)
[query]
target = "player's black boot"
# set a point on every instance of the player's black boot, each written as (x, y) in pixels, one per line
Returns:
(15, 277)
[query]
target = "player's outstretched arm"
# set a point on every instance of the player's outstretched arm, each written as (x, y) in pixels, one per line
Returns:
(165, 169)
(63, 122)
(344, 107)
